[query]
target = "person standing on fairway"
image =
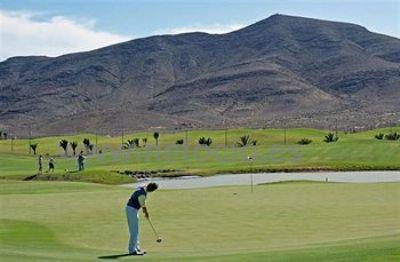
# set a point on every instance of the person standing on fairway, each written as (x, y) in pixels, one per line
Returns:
(40, 163)
(81, 161)
(51, 165)
(135, 203)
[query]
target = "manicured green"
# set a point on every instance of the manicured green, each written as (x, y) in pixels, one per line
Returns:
(358, 151)
(60, 221)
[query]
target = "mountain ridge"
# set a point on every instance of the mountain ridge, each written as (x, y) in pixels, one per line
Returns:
(283, 70)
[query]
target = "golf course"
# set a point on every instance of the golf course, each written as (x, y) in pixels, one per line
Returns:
(276, 150)
(79, 216)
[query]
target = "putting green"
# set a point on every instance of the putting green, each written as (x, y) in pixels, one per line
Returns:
(62, 221)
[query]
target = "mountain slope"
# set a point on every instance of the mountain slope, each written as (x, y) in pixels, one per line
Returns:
(281, 70)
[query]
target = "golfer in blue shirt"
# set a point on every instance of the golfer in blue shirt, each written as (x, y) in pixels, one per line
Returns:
(135, 203)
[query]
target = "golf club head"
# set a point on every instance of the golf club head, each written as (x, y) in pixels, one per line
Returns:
(159, 240)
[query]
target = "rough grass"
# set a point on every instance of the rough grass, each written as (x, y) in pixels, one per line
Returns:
(43, 221)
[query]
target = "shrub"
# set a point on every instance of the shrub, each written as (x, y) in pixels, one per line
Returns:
(330, 138)
(245, 141)
(379, 136)
(131, 143)
(136, 142)
(392, 136)
(205, 141)
(304, 141)
(179, 142)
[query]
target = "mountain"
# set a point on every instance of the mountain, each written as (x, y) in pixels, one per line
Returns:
(283, 70)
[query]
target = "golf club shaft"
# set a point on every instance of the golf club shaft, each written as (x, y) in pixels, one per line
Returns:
(152, 227)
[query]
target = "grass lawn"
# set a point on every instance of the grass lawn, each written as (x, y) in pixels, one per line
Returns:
(359, 151)
(60, 221)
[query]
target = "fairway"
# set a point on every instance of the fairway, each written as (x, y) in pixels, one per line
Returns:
(278, 222)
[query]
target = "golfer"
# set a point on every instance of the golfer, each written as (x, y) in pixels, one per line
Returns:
(40, 163)
(51, 165)
(137, 201)
(81, 161)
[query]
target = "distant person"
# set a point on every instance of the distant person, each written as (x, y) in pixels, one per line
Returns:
(51, 164)
(135, 203)
(81, 161)
(40, 163)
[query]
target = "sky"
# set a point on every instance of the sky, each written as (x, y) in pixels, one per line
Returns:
(56, 27)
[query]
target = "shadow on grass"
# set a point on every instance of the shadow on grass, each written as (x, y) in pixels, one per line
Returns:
(116, 256)
(29, 178)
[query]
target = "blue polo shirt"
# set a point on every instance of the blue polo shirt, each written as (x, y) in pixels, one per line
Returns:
(137, 199)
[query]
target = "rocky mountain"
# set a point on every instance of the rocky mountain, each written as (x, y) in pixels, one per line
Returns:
(283, 70)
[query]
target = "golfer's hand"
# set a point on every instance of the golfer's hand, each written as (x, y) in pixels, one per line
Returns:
(146, 214)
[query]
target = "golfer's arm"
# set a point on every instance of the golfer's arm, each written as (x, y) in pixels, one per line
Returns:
(142, 202)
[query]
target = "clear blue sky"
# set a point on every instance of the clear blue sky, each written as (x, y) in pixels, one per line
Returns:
(138, 18)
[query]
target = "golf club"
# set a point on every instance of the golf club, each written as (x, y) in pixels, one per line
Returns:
(155, 232)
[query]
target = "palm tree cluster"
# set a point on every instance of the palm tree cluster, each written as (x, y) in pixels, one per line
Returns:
(74, 145)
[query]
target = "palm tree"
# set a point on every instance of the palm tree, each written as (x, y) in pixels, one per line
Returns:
(156, 135)
(86, 143)
(34, 147)
(64, 145)
(144, 140)
(74, 145)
